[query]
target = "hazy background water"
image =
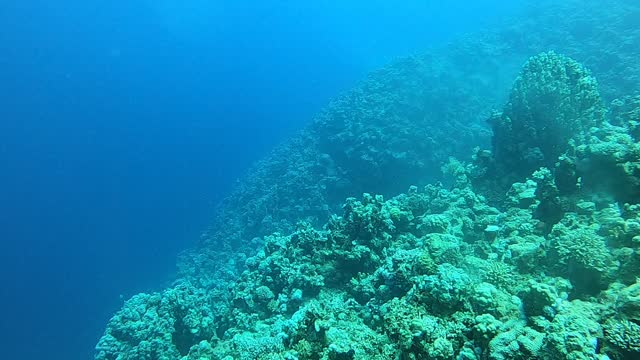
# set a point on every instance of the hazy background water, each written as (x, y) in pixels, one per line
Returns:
(123, 122)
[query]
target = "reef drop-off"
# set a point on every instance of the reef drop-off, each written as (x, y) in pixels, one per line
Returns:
(478, 201)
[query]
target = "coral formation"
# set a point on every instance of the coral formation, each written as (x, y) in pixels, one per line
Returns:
(553, 100)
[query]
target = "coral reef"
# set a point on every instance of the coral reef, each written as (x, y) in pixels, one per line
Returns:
(319, 255)
(361, 288)
(403, 121)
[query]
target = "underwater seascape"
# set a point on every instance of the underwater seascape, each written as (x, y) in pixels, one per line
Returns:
(479, 200)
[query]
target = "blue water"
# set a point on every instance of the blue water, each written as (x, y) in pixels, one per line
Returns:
(122, 123)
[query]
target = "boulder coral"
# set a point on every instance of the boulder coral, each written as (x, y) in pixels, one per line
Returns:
(553, 100)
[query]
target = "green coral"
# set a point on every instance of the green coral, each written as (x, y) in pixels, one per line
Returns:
(623, 335)
(624, 300)
(542, 299)
(574, 332)
(488, 299)
(249, 346)
(625, 112)
(609, 163)
(515, 341)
